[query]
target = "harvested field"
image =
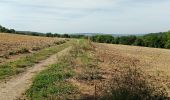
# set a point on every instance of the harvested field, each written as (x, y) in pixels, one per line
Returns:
(101, 72)
(13, 44)
(153, 61)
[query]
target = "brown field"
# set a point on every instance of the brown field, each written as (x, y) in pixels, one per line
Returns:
(106, 63)
(93, 71)
(13, 44)
(153, 61)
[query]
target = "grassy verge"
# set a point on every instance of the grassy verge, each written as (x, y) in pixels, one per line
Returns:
(18, 66)
(54, 83)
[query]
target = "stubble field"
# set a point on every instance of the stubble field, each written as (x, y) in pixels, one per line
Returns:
(13, 44)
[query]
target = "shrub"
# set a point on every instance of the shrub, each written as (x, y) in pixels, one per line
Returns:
(12, 53)
(23, 50)
(36, 48)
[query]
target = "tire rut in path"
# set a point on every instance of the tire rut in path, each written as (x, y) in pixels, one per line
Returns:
(16, 86)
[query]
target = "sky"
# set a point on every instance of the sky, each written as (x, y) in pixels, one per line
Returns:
(86, 16)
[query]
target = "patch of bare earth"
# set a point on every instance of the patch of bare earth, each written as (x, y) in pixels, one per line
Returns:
(15, 87)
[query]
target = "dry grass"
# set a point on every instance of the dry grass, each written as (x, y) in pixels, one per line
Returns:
(103, 72)
(13, 44)
(154, 62)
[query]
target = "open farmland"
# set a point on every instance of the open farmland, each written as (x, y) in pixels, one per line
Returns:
(83, 70)
(13, 44)
(93, 71)
(152, 61)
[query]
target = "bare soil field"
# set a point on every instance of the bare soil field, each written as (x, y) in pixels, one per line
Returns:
(13, 44)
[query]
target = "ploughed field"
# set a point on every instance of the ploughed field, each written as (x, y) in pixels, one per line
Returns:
(13, 44)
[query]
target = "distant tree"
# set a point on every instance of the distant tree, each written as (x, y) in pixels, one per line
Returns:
(12, 31)
(116, 40)
(167, 45)
(139, 42)
(49, 34)
(127, 40)
(56, 35)
(65, 36)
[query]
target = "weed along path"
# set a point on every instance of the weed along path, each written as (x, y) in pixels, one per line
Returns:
(16, 86)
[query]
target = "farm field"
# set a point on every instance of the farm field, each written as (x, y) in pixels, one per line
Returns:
(13, 45)
(150, 59)
(83, 70)
(153, 61)
(84, 50)
(89, 71)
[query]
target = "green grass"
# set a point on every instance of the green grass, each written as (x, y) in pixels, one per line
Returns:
(19, 65)
(52, 84)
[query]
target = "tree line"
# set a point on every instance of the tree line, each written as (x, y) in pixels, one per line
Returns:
(6, 30)
(156, 40)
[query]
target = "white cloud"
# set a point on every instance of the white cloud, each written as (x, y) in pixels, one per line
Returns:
(108, 16)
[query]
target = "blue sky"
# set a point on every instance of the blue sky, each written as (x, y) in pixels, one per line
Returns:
(98, 16)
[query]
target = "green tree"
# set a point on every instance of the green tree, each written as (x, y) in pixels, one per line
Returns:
(139, 42)
(167, 45)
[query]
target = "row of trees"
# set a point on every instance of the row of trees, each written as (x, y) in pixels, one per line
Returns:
(51, 35)
(5, 30)
(156, 40)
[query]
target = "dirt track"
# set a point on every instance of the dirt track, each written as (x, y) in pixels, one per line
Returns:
(16, 86)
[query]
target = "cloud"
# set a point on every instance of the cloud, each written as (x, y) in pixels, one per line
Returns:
(108, 16)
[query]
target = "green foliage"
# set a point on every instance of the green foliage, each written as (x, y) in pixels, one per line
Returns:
(51, 83)
(5, 30)
(139, 42)
(103, 38)
(127, 40)
(168, 40)
(156, 40)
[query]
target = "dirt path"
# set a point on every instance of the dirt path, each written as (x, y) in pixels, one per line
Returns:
(16, 86)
